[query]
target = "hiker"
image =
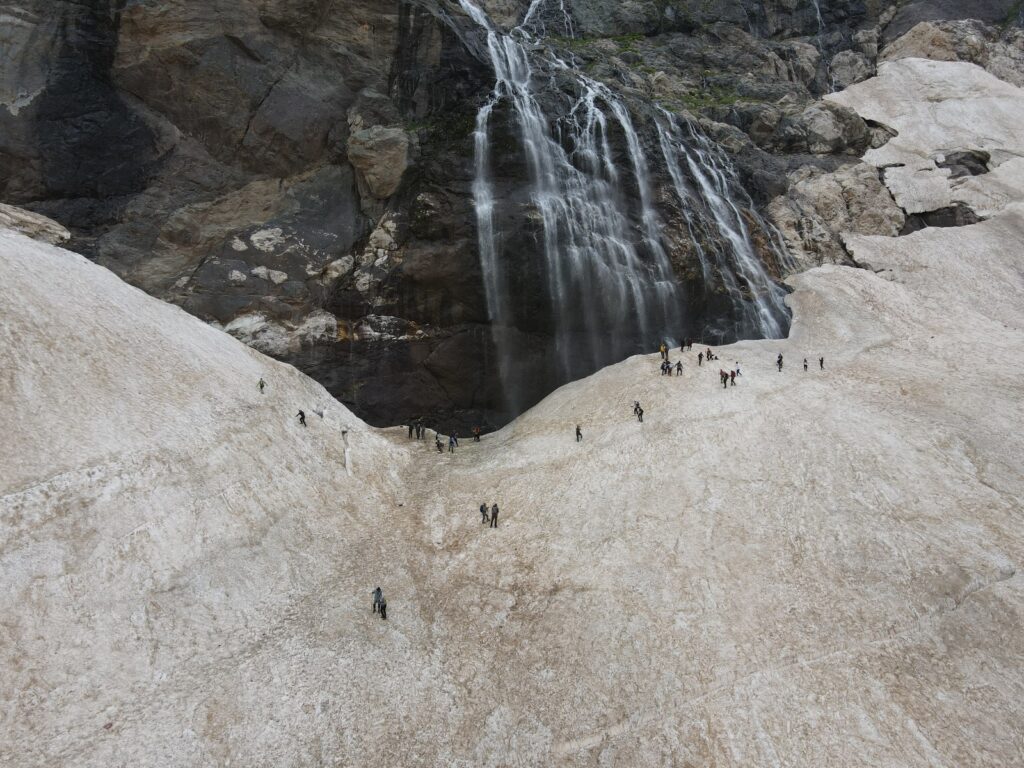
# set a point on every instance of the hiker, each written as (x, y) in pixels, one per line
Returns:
(378, 595)
(476, 434)
(579, 434)
(732, 378)
(262, 384)
(738, 368)
(664, 351)
(779, 362)
(805, 365)
(452, 442)
(700, 358)
(494, 516)
(636, 407)
(437, 442)
(302, 417)
(639, 414)
(411, 428)
(383, 607)
(423, 429)
(821, 362)
(724, 377)
(485, 518)
(708, 356)
(679, 367)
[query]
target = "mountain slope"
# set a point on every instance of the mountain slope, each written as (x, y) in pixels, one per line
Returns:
(809, 568)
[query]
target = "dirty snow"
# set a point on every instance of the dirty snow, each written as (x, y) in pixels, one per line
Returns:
(807, 569)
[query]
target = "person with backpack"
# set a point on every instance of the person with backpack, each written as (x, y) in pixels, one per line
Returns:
(484, 518)
(732, 378)
(664, 351)
(639, 414)
(779, 362)
(679, 367)
(494, 516)
(261, 384)
(383, 607)
(700, 359)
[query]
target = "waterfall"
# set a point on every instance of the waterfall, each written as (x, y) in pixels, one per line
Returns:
(705, 194)
(821, 47)
(611, 288)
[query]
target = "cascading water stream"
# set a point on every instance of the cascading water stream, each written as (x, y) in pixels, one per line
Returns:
(757, 300)
(821, 47)
(610, 284)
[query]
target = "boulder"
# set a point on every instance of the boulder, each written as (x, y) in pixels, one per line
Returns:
(831, 128)
(849, 67)
(381, 156)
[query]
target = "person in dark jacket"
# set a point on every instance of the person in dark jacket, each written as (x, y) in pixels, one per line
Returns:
(378, 595)
(383, 607)
(494, 516)
(579, 433)
(302, 417)
(485, 518)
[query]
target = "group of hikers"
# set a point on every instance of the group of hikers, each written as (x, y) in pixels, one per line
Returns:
(709, 356)
(491, 517)
(419, 431)
(727, 378)
(666, 368)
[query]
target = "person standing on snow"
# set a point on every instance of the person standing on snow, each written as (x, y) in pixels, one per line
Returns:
(378, 595)
(302, 417)
(805, 365)
(579, 433)
(262, 385)
(779, 362)
(821, 362)
(483, 514)
(494, 516)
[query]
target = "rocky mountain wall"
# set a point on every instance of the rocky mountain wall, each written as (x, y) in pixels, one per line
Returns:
(299, 172)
